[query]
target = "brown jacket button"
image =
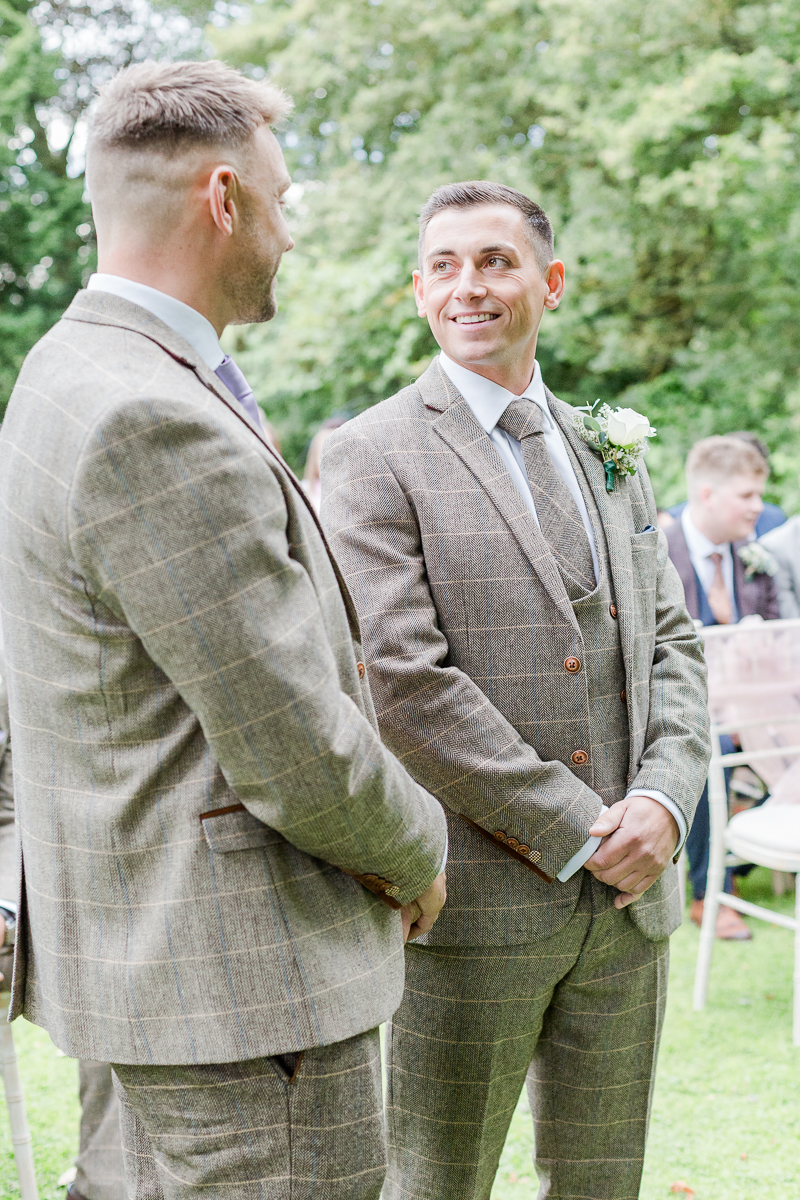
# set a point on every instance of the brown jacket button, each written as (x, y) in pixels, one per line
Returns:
(612, 608)
(573, 665)
(524, 849)
(512, 842)
(362, 670)
(500, 834)
(623, 695)
(579, 757)
(535, 855)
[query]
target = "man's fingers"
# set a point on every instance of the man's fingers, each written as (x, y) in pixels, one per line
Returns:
(626, 898)
(409, 914)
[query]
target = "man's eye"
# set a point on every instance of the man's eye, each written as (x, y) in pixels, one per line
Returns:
(494, 261)
(441, 267)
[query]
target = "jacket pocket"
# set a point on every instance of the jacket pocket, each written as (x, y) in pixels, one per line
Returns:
(235, 828)
(644, 556)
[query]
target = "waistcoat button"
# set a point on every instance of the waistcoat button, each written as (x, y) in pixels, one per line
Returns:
(362, 670)
(573, 665)
(579, 757)
(612, 608)
(623, 695)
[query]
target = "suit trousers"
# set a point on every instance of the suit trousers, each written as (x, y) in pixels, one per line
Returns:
(101, 1175)
(578, 1016)
(294, 1125)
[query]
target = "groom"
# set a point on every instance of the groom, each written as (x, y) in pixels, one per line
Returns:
(533, 665)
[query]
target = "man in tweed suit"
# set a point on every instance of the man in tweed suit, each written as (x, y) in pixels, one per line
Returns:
(533, 665)
(198, 771)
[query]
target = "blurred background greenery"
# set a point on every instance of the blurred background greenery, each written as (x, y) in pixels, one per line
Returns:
(660, 135)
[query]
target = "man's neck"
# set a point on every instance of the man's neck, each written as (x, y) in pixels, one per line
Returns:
(192, 288)
(513, 377)
(701, 522)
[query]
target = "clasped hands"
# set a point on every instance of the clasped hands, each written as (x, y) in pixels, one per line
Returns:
(419, 915)
(640, 836)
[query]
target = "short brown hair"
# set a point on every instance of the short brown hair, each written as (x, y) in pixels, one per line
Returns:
(480, 191)
(162, 105)
(718, 458)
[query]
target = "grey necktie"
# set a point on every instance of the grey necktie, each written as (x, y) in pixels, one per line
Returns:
(559, 518)
(235, 382)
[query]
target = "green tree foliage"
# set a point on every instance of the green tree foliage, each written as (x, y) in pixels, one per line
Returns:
(660, 137)
(52, 56)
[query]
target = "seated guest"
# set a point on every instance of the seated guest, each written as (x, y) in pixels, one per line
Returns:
(783, 544)
(771, 515)
(725, 478)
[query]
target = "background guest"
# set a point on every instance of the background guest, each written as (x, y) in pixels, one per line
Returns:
(311, 481)
(783, 544)
(771, 515)
(725, 477)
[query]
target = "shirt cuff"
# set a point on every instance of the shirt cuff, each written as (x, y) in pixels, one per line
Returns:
(584, 854)
(670, 806)
(446, 850)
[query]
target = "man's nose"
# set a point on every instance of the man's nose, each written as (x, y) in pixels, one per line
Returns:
(470, 283)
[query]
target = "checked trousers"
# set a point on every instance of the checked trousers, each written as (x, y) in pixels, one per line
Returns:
(576, 1016)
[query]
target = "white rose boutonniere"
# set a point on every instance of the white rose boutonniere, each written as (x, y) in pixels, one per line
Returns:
(757, 560)
(618, 435)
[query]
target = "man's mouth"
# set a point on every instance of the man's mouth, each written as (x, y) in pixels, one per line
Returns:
(475, 318)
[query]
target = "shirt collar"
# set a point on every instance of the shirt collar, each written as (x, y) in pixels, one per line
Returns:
(699, 545)
(192, 326)
(488, 400)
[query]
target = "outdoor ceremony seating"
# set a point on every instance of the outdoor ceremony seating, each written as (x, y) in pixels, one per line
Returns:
(754, 692)
(12, 1087)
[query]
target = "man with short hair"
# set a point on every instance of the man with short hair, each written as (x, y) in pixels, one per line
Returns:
(218, 855)
(725, 478)
(534, 666)
(771, 516)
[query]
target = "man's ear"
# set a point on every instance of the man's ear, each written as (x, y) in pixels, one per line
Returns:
(419, 294)
(554, 280)
(223, 185)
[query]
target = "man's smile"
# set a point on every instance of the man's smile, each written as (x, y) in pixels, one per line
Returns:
(474, 318)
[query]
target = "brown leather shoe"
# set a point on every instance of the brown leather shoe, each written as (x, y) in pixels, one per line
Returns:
(730, 926)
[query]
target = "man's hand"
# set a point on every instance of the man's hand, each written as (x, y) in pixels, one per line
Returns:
(418, 916)
(640, 839)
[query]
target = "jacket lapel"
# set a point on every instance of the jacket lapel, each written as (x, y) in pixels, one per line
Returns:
(616, 517)
(458, 427)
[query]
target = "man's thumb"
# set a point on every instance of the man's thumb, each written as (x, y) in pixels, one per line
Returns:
(607, 822)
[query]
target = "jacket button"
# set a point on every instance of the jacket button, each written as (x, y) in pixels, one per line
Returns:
(579, 757)
(612, 608)
(500, 834)
(535, 855)
(524, 849)
(513, 843)
(573, 665)
(623, 695)
(362, 670)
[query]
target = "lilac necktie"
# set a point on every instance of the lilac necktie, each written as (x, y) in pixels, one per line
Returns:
(235, 382)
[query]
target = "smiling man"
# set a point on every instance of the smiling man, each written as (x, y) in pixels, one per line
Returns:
(533, 666)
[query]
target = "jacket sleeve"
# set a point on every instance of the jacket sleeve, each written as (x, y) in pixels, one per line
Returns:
(676, 746)
(186, 534)
(442, 727)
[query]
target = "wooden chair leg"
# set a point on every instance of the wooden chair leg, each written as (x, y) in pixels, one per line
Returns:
(17, 1118)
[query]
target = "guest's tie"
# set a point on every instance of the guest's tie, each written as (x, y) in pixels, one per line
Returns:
(559, 518)
(235, 382)
(718, 599)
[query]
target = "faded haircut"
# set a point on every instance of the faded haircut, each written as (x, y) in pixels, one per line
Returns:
(716, 459)
(171, 107)
(480, 191)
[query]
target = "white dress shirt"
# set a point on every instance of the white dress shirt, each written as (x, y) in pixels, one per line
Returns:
(488, 402)
(192, 326)
(700, 547)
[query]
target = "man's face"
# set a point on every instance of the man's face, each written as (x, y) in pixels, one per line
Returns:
(732, 507)
(481, 287)
(264, 236)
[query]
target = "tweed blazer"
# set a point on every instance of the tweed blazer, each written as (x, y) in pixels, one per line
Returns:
(472, 642)
(756, 596)
(195, 750)
(783, 544)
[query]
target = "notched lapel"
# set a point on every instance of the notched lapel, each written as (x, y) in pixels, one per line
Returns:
(458, 427)
(616, 517)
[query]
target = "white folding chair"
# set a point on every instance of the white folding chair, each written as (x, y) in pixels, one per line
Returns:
(754, 691)
(17, 1117)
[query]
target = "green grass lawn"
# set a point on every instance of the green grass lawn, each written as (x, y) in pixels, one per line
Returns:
(727, 1105)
